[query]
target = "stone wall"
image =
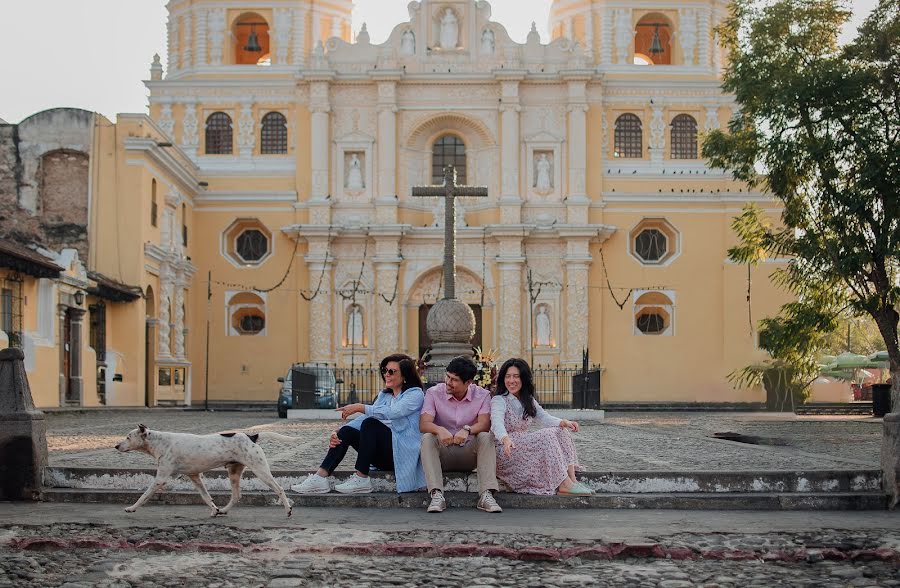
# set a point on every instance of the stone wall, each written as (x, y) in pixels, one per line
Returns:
(44, 179)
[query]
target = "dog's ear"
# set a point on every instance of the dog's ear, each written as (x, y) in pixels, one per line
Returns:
(143, 429)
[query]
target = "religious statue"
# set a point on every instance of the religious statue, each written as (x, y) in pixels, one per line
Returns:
(449, 30)
(355, 326)
(543, 181)
(354, 175)
(542, 326)
(408, 42)
(487, 42)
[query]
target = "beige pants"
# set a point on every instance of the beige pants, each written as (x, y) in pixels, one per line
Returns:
(478, 453)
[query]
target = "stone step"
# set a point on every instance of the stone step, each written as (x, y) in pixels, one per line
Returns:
(418, 500)
(635, 482)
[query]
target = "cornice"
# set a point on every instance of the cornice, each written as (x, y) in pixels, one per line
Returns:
(184, 172)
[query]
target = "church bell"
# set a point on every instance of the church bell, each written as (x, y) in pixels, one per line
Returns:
(253, 42)
(655, 45)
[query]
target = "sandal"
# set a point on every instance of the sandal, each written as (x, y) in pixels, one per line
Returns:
(577, 489)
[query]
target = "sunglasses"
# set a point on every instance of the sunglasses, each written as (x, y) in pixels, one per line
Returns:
(388, 371)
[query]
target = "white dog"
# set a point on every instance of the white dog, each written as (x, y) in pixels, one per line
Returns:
(191, 455)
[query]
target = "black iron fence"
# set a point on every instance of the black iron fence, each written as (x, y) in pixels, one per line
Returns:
(556, 386)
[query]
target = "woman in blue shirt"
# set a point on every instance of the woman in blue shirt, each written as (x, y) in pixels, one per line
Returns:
(387, 436)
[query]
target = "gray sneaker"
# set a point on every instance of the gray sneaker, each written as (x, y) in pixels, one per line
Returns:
(487, 503)
(438, 504)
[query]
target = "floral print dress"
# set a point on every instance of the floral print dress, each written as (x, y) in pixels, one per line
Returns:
(539, 462)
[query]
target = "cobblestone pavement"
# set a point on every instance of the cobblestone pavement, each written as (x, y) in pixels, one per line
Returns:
(78, 555)
(623, 442)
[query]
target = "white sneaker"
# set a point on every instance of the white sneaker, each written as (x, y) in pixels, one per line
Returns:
(313, 484)
(355, 485)
(487, 503)
(438, 504)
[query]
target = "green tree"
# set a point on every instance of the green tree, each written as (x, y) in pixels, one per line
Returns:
(819, 130)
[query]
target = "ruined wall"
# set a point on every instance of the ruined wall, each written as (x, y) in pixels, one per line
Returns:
(45, 179)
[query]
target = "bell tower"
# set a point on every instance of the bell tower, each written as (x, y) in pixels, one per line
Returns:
(205, 36)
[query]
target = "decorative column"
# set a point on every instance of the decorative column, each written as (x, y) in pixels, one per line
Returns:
(299, 43)
(165, 300)
(200, 56)
(589, 35)
(510, 262)
(624, 35)
(173, 58)
(576, 195)
(386, 198)
(166, 121)
(178, 327)
(216, 35)
(510, 109)
(321, 307)
(282, 34)
(320, 144)
(712, 118)
(246, 138)
(335, 27)
(687, 35)
(187, 55)
(577, 262)
(567, 28)
(190, 140)
(606, 36)
(317, 28)
(703, 34)
(63, 380)
(657, 141)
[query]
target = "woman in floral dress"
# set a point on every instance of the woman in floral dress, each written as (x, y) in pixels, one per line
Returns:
(539, 461)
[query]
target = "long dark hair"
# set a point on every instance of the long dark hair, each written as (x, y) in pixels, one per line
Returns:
(526, 395)
(408, 370)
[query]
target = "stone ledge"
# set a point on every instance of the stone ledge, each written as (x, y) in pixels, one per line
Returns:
(330, 414)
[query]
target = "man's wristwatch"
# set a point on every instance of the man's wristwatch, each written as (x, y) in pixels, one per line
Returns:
(468, 429)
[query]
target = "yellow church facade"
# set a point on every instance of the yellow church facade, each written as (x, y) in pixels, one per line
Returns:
(262, 207)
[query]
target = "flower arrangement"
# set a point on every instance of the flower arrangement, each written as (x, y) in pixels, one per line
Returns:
(487, 369)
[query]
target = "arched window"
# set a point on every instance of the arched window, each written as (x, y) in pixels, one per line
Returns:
(247, 314)
(448, 150)
(273, 136)
(684, 137)
(154, 207)
(653, 313)
(629, 137)
(251, 40)
(653, 41)
(218, 134)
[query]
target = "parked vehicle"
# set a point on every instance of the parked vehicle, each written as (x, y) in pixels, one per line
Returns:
(325, 387)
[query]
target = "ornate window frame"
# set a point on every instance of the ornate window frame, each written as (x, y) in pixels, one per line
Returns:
(650, 302)
(673, 241)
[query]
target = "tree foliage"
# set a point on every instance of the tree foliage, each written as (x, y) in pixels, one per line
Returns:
(818, 129)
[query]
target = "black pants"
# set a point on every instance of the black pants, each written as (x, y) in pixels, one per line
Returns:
(372, 443)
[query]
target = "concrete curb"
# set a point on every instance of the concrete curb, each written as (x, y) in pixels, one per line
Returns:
(330, 414)
(419, 500)
(600, 551)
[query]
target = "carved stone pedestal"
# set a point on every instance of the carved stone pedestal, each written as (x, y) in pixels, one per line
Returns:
(450, 325)
(890, 457)
(23, 432)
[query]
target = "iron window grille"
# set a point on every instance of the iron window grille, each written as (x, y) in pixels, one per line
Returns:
(684, 137)
(629, 137)
(98, 330)
(273, 135)
(651, 245)
(448, 150)
(218, 134)
(252, 245)
(11, 309)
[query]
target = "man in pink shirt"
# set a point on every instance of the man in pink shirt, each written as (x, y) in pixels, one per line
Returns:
(456, 422)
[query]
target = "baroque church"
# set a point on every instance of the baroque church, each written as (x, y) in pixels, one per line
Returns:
(263, 207)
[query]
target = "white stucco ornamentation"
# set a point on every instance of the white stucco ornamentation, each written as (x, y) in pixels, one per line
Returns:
(687, 34)
(703, 16)
(510, 325)
(282, 34)
(657, 142)
(624, 35)
(299, 36)
(190, 140)
(717, 55)
(174, 64)
(576, 310)
(166, 122)
(712, 118)
(187, 56)
(606, 36)
(387, 315)
(179, 320)
(200, 56)
(246, 138)
(216, 35)
(165, 299)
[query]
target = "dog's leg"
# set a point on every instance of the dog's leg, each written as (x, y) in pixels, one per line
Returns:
(234, 476)
(161, 478)
(261, 469)
(204, 494)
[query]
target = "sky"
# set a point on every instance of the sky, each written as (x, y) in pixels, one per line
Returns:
(94, 54)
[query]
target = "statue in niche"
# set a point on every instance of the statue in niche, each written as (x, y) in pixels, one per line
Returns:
(487, 42)
(542, 326)
(408, 42)
(543, 181)
(354, 174)
(354, 326)
(449, 30)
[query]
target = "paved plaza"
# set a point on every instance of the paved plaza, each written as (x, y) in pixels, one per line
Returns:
(626, 441)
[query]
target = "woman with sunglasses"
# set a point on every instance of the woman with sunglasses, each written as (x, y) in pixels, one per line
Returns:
(387, 436)
(540, 461)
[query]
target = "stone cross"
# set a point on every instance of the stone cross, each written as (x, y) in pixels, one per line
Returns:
(450, 191)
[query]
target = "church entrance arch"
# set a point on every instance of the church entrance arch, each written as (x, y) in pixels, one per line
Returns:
(428, 289)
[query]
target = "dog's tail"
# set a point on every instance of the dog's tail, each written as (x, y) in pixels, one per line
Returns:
(266, 435)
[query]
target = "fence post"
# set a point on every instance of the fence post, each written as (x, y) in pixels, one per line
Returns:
(23, 432)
